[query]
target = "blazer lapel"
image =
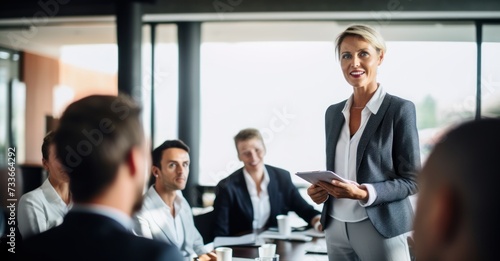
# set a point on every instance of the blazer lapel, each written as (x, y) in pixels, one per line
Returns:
(370, 129)
(244, 196)
(184, 215)
(334, 127)
(273, 191)
(160, 216)
(334, 124)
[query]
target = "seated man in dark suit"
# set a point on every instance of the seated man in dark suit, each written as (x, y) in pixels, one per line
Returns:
(101, 143)
(252, 197)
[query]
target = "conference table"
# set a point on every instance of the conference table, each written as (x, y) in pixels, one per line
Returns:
(288, 250)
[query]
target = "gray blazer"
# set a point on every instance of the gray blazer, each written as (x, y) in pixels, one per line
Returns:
(388, 158)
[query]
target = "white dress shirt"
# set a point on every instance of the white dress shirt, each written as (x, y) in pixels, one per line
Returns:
(174, 224)
(260, 203)
(348, 210)
(40, 210)
(155, 221)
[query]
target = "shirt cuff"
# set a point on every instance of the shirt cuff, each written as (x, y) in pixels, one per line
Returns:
(318, 221)
(372, 195)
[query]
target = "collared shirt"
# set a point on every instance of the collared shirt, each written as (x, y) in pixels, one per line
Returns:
(156, 222)
(260, 203)
(40, 210)
(113, 213)
(174, 224)
(348, 210)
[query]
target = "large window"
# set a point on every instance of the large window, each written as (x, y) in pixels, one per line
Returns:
(280, 77)
(165, 81)
(11, 119)
(103, 58)
(490, 76)
(4, 109)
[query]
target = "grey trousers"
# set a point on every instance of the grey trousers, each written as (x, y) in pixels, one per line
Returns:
(360, 241)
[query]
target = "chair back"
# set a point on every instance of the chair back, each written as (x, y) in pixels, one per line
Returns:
(205, 225)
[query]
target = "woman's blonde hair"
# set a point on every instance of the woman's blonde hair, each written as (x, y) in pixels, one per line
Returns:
(365, 32)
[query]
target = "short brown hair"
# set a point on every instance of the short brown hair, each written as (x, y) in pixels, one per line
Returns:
(94, 137)
(247, 134)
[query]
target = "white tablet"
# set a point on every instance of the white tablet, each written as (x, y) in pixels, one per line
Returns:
(314, 177)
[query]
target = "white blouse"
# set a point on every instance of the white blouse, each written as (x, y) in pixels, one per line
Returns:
(344, 209)
(40, 210)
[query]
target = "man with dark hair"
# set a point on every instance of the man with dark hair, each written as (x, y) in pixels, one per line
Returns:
(166, 214)
(100, 142)
(456, 216)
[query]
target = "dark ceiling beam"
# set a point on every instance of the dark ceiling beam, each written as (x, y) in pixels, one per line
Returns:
(55, 8)
(211, 6)
(30, 8)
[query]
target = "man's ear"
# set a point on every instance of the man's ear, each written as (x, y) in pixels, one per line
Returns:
(133, 157)
(156, 171)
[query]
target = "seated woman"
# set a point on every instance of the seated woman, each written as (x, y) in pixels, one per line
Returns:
(252, 197)
(45, 207)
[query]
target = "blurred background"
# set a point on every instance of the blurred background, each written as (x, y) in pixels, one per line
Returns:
(210, 68)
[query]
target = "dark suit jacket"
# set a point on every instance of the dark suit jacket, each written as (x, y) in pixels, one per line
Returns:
(233, 209)
(86, 236)
(388, 157)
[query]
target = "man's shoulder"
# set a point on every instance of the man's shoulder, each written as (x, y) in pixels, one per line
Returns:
(40, 243)
(277, 171)
(97, 242)
(148, 249)
(126, 247)
(232, 178)
(231, 184)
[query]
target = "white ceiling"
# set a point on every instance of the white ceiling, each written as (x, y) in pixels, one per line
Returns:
(49, 38)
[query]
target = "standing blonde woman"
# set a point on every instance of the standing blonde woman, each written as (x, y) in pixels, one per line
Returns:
(371, 138)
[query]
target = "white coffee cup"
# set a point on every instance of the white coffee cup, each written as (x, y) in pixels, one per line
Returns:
(284, 227)
(224, 254)
(267, 250)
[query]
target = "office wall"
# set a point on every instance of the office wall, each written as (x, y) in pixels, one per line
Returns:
(41, 75)
(86, 82)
